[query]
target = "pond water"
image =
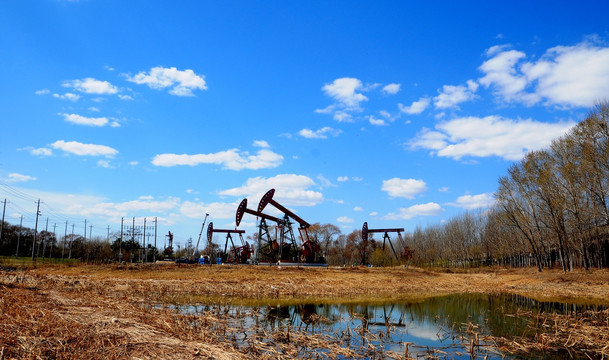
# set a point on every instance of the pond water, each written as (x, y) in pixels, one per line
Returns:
(440, 327)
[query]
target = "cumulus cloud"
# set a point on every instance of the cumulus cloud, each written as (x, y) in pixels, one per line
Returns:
(347, 94)
(342, 178)
(320, 133)
(230, 159)
(122, 209)
(67, 96)
(16, 177)
(564, 75)
(358, 208)
(416, 107)
(488, 136)
(83, 120)
(91, 86)
(428, 209)
(80, 149)
(42, 92)
(220, 210)
(261, 144)
(182, 82)
(450, 96)
(345, 220)
(377, 122)
(125, 97)
(406, 188)
(391, 89)
(40, 151)
(471, 202)
(290, 189)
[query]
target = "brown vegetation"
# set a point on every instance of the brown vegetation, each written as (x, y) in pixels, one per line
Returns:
(96, 312)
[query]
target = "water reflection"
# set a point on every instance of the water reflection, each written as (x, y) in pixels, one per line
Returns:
(450, 327)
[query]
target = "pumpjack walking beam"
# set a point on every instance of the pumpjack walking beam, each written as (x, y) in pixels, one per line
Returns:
(228, 232)
(386, 238)
(263, 228)
(309, 248)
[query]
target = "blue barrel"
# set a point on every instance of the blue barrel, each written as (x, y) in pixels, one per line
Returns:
(219, 261)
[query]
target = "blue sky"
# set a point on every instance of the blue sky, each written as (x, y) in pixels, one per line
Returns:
(401, 114)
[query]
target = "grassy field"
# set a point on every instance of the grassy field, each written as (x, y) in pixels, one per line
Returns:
(111, 311)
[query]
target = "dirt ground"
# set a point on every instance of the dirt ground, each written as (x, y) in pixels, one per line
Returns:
(95, 312)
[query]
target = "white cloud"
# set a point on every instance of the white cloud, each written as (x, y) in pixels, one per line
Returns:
(428, 209)
(134, 163)
(42, 92)
(344, 91)
(125, 97)
(342, 178)
(91, 86)
(564, 75)
(183, 82)
(489, 136)
(376, 122)
(391, 89)
(41, 151)
(290, 190)
(406, 188)
(94, 109)
(345, 220)
(320, 133)
(356, 178)
(219, 210)
(15, 177)
(67, 96)
(83, 120)
(117, 210)
(77, 148)
(374, 213)
(358, 208)
(347, 95)
(230, 159)
(416, 107)
(261, 144)
(450, 96)
(470, 202)
(104, 164)
(443, 189)
(324, 182)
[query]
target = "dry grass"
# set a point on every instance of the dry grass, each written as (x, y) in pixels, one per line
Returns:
(95, 312)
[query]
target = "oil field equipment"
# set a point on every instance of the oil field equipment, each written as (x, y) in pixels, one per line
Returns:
(309, 251)
(238, 255)
(169, 249)
(268, 246)
(406, 253)
(195, 250)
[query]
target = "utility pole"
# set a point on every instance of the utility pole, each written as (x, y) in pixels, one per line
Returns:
(155, 250)
(35, 229)
(54, 235)
(2, 223)
(19, 236)
(44, 241)
(144, 243)
(90, 233)
(120, 244)
(71, 241)
(108, 236)
(65, 237)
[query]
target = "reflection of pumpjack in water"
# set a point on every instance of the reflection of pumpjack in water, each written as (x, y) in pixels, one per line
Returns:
(290, 314)
(387, 320)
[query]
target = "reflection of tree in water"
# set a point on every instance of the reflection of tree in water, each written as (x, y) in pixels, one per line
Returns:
(299, 315)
